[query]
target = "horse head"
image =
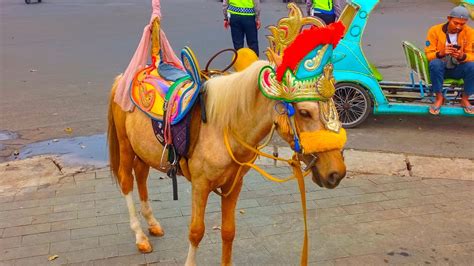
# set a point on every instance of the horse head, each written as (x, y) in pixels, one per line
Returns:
(302, 83)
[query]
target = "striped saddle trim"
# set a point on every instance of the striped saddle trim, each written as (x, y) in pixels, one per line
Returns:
(242, 10)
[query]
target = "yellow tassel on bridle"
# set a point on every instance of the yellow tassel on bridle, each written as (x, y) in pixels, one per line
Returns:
(312, 142)
(323, 140)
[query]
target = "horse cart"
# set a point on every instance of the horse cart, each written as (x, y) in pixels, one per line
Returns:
(361, 88)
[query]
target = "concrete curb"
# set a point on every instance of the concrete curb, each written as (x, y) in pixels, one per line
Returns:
(48, 169)
(394, 164)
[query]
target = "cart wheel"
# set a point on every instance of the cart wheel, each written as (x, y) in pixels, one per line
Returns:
(353, 104)
(27, 1)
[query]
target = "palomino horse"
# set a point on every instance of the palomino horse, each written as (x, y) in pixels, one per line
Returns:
(234, 102)
(296, 100)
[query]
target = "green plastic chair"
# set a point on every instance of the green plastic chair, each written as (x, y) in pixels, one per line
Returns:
(378, 76)
(418, 64)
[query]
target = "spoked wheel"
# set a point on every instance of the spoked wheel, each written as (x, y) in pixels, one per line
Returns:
(353, 104)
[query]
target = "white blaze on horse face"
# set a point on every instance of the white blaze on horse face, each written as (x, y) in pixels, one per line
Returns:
(191, 259)
(134, 222)
(307, 116)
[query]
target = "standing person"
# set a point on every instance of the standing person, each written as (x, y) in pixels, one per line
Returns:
(243, 17)
(450, 52)
(327, 10)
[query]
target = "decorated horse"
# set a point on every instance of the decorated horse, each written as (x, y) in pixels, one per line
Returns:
(209, 131)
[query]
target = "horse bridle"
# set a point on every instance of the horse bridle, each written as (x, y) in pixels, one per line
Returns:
(289, 110)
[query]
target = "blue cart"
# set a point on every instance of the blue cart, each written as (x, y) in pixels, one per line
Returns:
(360, 88)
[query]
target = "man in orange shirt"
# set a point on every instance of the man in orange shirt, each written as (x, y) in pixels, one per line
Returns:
(450, 52)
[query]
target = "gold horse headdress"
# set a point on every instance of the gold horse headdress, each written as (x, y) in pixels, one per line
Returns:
(302, 58)
(301, 67)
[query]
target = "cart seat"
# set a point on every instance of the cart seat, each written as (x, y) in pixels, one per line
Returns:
(454, 82)
(378, 76)
(418, 63)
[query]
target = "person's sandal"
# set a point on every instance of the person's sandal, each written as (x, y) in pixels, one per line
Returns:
(434, 110)
(469, 109)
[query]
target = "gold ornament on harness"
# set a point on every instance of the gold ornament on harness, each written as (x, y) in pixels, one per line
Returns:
(326, 82)
(328, 115)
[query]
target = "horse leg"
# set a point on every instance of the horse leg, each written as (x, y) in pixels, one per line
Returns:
(126, 184)
(141, 174)
(200, 195)
(228, 205)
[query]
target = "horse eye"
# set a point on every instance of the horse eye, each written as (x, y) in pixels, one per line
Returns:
(305, 113)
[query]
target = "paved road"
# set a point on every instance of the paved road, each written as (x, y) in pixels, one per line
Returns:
(58, 60)
(367, 220)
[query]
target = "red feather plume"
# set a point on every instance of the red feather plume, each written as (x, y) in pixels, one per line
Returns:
(306, 41)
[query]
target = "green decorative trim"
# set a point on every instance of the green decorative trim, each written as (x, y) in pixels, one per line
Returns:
(262, 87)
(176, 84)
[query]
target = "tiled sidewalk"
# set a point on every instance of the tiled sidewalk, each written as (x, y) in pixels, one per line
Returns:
(367, 220)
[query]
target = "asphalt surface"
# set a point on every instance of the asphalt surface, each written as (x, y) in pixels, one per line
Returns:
(59, 58)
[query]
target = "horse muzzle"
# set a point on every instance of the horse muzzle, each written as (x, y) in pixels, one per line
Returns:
(329, 168)
(322, 153)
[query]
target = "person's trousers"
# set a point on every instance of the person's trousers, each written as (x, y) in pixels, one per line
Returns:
(244, 26)
(327, 18)
(438, 73)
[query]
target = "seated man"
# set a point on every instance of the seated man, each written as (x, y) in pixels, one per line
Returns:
(449, 49)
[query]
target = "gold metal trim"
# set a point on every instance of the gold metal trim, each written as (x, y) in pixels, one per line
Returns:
(286, 31)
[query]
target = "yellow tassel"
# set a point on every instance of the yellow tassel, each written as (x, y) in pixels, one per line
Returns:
(283, 125)
(323, 140)
(245, 57)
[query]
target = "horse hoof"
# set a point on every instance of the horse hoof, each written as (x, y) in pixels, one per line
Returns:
(156, 231)
(145, 247)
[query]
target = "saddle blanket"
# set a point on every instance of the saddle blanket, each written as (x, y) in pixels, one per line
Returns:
(180, 133)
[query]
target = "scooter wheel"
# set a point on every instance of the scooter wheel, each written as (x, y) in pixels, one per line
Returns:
(353, 104)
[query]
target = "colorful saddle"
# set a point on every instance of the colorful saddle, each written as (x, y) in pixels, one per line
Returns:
(153, 92)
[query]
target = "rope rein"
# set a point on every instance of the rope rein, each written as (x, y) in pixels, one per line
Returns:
(293, 162)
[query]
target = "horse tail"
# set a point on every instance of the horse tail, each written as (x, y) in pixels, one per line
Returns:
(112, 137)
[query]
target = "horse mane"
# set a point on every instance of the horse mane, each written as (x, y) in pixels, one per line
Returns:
(233, 96)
